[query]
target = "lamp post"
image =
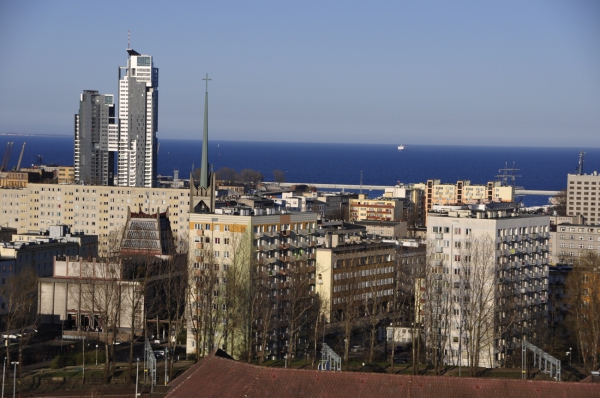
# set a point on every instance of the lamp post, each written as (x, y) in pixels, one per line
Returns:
(137, 371)
(3, 373)
(96, 354)
(14, 378)
(569, 354)
(83, 359)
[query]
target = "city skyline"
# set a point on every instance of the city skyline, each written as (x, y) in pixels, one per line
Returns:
(448, 74)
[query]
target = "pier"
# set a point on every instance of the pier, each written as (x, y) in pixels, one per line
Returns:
(384, 187)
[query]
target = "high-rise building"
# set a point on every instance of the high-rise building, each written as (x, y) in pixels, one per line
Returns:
(583, 193)
(94, 153)
(486, 281)
(138, 121)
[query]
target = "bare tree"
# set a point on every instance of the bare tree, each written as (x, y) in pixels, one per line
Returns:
(347, 305)
(437, 304)
(477, 293)
(583, 299)
(227, 175)
(251, 176)
(279, 176)
(20, 297)
(559, 202)
(100, 291)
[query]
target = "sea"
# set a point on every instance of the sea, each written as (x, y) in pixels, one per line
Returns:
(537, 168)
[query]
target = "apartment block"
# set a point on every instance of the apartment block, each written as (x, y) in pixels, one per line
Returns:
(517, 248)
(357, 271)
(463, 191)
(384, 209)
(583, 196)
(571, 241)
(277, 243)
(97, 210)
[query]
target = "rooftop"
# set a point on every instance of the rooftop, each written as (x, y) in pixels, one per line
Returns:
(221, 377)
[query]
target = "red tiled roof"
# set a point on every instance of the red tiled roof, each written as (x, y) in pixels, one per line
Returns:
(220, 377)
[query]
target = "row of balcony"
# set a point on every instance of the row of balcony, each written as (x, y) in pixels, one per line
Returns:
(287, 232)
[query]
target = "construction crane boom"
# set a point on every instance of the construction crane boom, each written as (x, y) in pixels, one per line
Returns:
(6, 157)
(20, 157)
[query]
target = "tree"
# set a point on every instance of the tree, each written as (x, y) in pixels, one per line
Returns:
(347, 311)
(560, 202)
(475, 285)
(100, 293)
(250, 176)
(227, 175)
(20, 297)
(583, 299)
(279, 176)
(437, 305)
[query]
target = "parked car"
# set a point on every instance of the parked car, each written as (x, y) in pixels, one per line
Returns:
(159, 354)
(397, 350)
(356, 348)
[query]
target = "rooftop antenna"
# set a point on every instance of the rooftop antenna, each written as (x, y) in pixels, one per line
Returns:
(580, 165)
(128, 39)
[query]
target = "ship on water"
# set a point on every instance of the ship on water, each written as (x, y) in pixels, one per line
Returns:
(400, 147)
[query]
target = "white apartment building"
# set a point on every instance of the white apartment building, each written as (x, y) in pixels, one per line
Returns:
(516, 278)
(138, 119)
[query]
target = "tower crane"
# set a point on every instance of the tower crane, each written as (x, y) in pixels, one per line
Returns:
(6, 157)
(20, 157)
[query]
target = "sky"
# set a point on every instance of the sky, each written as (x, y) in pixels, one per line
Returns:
(511, 72)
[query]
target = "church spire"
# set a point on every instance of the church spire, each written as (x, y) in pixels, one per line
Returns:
(204, 164)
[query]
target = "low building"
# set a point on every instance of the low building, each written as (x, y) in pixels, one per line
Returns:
(380, 209)
(13, 179)
(386, 229)
(66, 175)
(80, 292)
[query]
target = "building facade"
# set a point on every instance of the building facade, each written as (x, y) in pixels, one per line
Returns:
(384, 209)
(463, 191)
(93, 158)
(486, 252)
(138, 121)
(97, 210)
(353, 274)
(275, 244)
(583, 193)
(571, 241)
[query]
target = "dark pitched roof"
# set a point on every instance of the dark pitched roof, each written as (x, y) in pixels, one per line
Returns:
(219, 377)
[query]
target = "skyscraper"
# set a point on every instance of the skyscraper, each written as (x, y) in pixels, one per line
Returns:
(95, 139)
(138, 121)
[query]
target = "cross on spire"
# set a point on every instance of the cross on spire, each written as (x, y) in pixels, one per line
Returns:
(207, 79)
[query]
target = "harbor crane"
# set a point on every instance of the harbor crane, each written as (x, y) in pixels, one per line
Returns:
(6, 157)
(20, 157)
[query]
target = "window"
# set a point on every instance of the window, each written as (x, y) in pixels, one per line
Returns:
(226, 228)
(217, 241)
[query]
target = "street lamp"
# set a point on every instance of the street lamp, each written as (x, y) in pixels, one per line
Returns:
(137, 371)
(570, 356)
(3, 373)
(14, 378)
(96, 354)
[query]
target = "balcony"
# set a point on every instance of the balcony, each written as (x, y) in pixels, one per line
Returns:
(439, 236)
(439, 249)
(286, 233)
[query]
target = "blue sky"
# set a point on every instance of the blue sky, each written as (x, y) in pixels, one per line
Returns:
(412, 72)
